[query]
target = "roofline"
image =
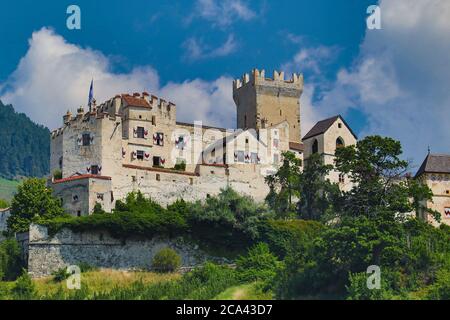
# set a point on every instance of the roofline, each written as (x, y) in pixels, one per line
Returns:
(80, 177)
(337, 116)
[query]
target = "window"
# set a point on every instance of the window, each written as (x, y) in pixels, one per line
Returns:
(276, 142)
(341, 178)
(240, 156)
(78, 213)
(254, 157)
(140, 117)
(140, 132)
(281, 113)
(447, 212)
(154, 120)
(156, 161)
(75, 198)
(213, 152)
(140, 155)
(60, 162)
(94, 169)
(339, 125)
(133, 178)
(339, 143)
(158, 139)
(86, 139)
(246, 140)
(315, 146)
(100, 196)
(191, 181)
(158, 177)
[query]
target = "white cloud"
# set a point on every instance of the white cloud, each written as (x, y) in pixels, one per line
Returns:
(400, 79)
(196, 50)
(222, 13)
(54, 76)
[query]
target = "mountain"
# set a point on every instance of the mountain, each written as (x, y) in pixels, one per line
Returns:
(24, 145)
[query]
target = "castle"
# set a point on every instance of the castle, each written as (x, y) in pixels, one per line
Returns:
(133, 142)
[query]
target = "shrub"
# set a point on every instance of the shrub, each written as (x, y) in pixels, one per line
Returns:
(358, 290)
(166, 260)
(24, 288)
(258, 264)
(60, 274)
(3, 204)
(10, 260)
(181, 166)
(98, 209)
(57, 174)
(440, 290)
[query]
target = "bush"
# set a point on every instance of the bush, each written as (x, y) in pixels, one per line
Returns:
(358, 290)
(258, 264)
(24, 289)
(440, 290)
(98, 209)
(166, 260)
(60, 274)
(181, 166)
(10, 260)
(4, 204)
(57, 174)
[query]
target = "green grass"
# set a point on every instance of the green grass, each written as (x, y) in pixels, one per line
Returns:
(248, 291)
(8, 188)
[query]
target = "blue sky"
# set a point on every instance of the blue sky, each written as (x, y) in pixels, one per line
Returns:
(189, 51)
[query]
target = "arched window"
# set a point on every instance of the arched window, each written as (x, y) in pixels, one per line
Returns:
(315, 146)
(339, 143)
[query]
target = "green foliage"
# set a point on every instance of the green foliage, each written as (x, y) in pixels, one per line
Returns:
(10, 260)
(181, 166)
(358, 290)
(24, 145)
(287, 236)
(229, 219)
(57, 174)
(98, 209)
(4, 204)
(283, 186)
(166, 260)
(317, 194)
(441, 288)
(258, 265)
(24, 287)
(33, 201)
(60, 274)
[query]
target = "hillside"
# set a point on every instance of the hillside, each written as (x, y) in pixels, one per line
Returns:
(24, 145)
(8, 188)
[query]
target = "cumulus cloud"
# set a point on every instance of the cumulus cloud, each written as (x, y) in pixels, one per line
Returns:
(54, 76)
(400, 78)
(197, 50)
(222, 13)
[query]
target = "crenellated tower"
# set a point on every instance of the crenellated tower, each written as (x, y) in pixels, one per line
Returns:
(262, 102)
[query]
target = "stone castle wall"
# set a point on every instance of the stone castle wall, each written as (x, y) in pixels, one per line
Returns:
(47, 254)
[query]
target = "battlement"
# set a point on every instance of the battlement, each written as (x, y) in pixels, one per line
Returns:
(259, 77)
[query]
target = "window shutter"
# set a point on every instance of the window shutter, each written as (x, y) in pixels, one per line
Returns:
(80, 140)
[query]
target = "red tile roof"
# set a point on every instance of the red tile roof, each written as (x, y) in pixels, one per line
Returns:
(81, 176)
(135, 102)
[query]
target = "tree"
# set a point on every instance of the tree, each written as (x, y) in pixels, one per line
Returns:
(33, 201)
(316, 192)
(284, 185)
(380, 184)
(98, 209)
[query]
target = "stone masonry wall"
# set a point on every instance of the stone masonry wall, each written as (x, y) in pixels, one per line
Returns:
(47, 254)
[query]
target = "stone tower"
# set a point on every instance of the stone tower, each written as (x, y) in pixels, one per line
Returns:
(263, 102)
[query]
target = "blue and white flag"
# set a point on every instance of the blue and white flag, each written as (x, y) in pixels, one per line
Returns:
(91, 93)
